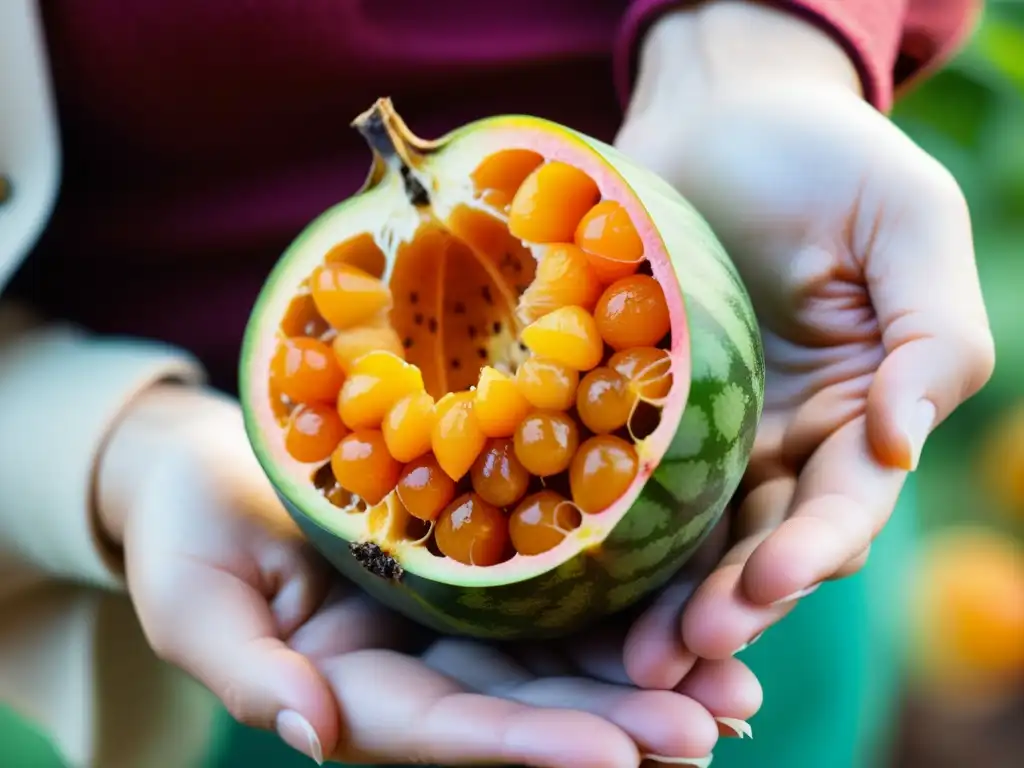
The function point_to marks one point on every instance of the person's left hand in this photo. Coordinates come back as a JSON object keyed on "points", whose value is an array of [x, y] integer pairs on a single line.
{"points": [[856, 248], [227, 588]]}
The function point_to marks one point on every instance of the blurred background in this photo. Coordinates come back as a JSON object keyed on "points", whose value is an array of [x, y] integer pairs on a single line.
{"points": [[965, 700]]}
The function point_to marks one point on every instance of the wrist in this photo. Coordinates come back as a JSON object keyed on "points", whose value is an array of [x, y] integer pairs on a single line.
{"points": [[163, 424], [708, 50]]}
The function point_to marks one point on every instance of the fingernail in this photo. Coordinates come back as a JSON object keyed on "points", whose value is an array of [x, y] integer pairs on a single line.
{"points": [[730, 727], [917, 427], [752, 640], [798, 595], [297, 733], [696, 762]]}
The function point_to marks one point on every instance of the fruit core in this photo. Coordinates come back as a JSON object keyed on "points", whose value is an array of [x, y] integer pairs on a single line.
{"points": [[493, 376]]}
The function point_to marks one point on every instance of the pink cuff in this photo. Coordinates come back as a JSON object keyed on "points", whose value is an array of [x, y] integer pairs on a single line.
{"points": [[869, 31]]}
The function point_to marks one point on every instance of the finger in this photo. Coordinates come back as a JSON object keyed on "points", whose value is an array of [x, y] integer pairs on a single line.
{"points": [[729, 691], [306, 579], [222, 631], [659, 722], [350, 621], [924, 286], [821, 415], [399, 710], [843, 499], [598, 653], [653, 653], [853, 565], [720, 621]]}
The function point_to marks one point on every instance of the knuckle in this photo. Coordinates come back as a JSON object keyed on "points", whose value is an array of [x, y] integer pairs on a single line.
{"points": [[978, 356], [163, 647], [945, 189], [985, 352], [232, 696]]}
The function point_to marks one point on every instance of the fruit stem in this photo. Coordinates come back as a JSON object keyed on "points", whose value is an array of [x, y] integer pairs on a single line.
{"points": [[394, 148]]}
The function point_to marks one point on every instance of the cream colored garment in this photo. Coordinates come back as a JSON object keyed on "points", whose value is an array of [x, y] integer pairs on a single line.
{"points": [[72, 656]]}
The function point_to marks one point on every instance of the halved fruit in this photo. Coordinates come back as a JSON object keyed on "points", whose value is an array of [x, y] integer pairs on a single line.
{"points": [[547, 378]]}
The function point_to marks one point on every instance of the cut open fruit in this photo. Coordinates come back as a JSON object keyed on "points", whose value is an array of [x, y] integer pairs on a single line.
{"points": [[510, 385]]}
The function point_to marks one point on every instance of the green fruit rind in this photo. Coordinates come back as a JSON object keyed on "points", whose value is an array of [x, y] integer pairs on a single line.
{"points": [[685, 495]]}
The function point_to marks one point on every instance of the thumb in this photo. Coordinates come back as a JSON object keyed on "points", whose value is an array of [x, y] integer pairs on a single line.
{"points": [[221, 629], [924, 287]]}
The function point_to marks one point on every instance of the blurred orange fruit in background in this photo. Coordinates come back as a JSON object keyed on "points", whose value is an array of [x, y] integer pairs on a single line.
{"points": [[968, 613]]}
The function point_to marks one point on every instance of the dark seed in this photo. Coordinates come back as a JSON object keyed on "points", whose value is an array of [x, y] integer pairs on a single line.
{"points": [[456, 364], [485, 292], [497, 326], [407, 342], [323, 478], [459, 308], [432, 325], [418, 318], [472, 331], [481, 353], [414, 298]]}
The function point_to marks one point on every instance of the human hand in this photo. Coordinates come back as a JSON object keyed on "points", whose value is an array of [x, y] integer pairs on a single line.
{"points": [[856, 248], [226, 588]]}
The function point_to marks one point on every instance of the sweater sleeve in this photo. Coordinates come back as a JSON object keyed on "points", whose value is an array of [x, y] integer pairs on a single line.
{"points": [[891, 42], [934, 30], [73, 658], [61, 392]]}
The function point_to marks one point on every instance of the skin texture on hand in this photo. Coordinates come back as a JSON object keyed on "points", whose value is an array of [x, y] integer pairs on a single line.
{"points": [[227, 589], [856, 248]]}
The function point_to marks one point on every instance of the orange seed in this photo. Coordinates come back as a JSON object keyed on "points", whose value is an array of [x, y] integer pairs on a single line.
{"points": [[498, 476], [648, 370], [602, 470], [424, 489], [347, 296], [547, 384], [550, 203], [312, 432], [472, 531], [632, 313], [379, 379], [498, 404], [568, 335], [607, 235], [545, 442], [540, 522], [457, 438], [362, 465], [351, 344], [604, 400], [503, 173], [563, 278], [304, 370], [408, 425]]}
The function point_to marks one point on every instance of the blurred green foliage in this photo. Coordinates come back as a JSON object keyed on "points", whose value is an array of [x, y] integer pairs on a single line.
{"points": [[971, 117]]}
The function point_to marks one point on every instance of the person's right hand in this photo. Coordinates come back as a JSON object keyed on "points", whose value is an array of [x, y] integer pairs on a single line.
{"points": [[226, 588]]}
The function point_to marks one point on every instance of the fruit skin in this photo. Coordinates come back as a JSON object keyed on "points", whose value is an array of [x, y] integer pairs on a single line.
{"points": [[686, 493]]}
